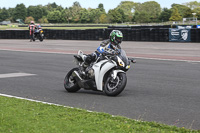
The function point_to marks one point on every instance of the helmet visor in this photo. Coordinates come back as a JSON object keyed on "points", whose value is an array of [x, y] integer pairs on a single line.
{"points": [[119, 39]]}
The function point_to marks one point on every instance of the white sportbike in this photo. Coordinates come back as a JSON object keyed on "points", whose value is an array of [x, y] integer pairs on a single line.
{"points": [[106, 74]]}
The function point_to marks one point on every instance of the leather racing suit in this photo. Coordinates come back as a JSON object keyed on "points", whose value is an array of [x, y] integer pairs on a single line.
{"points": [[105, 47]]}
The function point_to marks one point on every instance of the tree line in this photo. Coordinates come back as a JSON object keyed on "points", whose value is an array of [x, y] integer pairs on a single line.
{"points": [[126, 11]]}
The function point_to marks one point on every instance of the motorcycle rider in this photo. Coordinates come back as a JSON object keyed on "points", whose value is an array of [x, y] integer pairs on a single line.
{"points": [[31, 30], [37, 29], [107, 46]]}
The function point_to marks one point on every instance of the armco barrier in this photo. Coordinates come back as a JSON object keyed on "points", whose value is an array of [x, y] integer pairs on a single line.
{"points": [[14, 34], [130, 34]]}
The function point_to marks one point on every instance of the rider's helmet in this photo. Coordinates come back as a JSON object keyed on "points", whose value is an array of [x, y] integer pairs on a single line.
{"points": [[32, 22], [116, 37], [39, 26]]}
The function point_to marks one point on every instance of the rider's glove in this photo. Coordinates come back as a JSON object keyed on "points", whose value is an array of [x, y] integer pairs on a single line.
{"points": [[104, 53], [115, 52]]}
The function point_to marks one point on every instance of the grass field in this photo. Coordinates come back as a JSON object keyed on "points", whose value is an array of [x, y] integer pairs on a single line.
{"points": [[10, 27], [23, 116]]}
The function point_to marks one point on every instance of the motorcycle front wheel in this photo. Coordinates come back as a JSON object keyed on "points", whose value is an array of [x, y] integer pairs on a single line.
{"points": [[114, 87], [70, 83]]}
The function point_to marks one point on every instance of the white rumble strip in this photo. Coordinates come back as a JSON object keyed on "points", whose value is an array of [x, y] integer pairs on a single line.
{"points": [[12, 75]]}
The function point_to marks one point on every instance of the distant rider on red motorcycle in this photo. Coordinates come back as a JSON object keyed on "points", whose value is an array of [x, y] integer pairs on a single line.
{"points": [[31, 30]]}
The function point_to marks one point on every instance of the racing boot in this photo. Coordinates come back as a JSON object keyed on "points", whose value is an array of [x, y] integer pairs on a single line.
{"points": [[83, 56]]}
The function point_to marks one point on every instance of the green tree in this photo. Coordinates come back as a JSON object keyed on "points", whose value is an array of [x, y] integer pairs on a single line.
{"points": [[51, 6], [54, 17], [29, 19], [60, 8], [44, 10], [95, 15], [4, 14], [35, 11], [43, 20], [197, 11], [116, 15], [127, 7], [165, 15], [175, 15], [75, 11], [153, 10], [20, 12], [101, 8], [192, 5], [11, 13], [141, 17], [54, 5], [66, 15], [137, 7], [184, 11], [103, 18], [84, 16]]}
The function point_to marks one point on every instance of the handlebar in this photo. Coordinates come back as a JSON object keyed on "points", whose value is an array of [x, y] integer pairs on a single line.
{"points": [[132, 60]]}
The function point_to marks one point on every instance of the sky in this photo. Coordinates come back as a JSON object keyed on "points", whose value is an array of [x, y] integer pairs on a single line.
{"points": [[108, 4]]}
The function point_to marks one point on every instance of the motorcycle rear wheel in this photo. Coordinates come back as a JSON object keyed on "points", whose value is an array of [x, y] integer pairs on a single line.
{"points": [[114, 87], [70, 83], [33, 37], [41, 38]]}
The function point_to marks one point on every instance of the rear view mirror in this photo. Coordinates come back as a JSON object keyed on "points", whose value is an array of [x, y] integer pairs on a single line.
{"points": [[132, 60]]}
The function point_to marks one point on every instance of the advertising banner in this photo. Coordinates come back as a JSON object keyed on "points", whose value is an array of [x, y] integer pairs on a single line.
{"points": [[179, 35], [184, 26]]}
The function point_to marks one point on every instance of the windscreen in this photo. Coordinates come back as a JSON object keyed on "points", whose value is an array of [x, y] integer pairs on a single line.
{"points": [[123, 56]]}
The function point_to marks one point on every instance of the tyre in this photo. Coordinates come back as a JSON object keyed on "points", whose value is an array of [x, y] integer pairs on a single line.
{"points": [[114, 87], [41, 38], [70, 83], [33, 38]]}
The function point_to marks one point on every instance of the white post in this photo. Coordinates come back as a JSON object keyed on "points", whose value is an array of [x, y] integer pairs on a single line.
{"points": [[194, 17], [196, 20]]}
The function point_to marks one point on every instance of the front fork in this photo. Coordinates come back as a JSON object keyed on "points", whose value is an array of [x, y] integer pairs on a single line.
{"points": [[115, 72]]}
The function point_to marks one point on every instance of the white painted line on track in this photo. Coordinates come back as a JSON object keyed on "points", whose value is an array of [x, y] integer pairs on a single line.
{"points": [[10, 96], [12, 75]]}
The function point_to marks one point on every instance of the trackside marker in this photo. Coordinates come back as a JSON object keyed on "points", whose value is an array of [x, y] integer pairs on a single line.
{"points": [[12, 75]]}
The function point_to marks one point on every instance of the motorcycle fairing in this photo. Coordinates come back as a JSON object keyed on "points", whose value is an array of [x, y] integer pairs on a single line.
{"points": [[100, 70], [115, 72]]}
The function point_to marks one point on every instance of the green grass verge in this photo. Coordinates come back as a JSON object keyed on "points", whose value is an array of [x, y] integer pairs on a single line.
{"points": [[74, 28], [22, 116], [59, 28]]}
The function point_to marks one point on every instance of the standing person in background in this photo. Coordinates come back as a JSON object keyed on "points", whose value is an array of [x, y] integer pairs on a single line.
{"points": [[31, 30]]}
